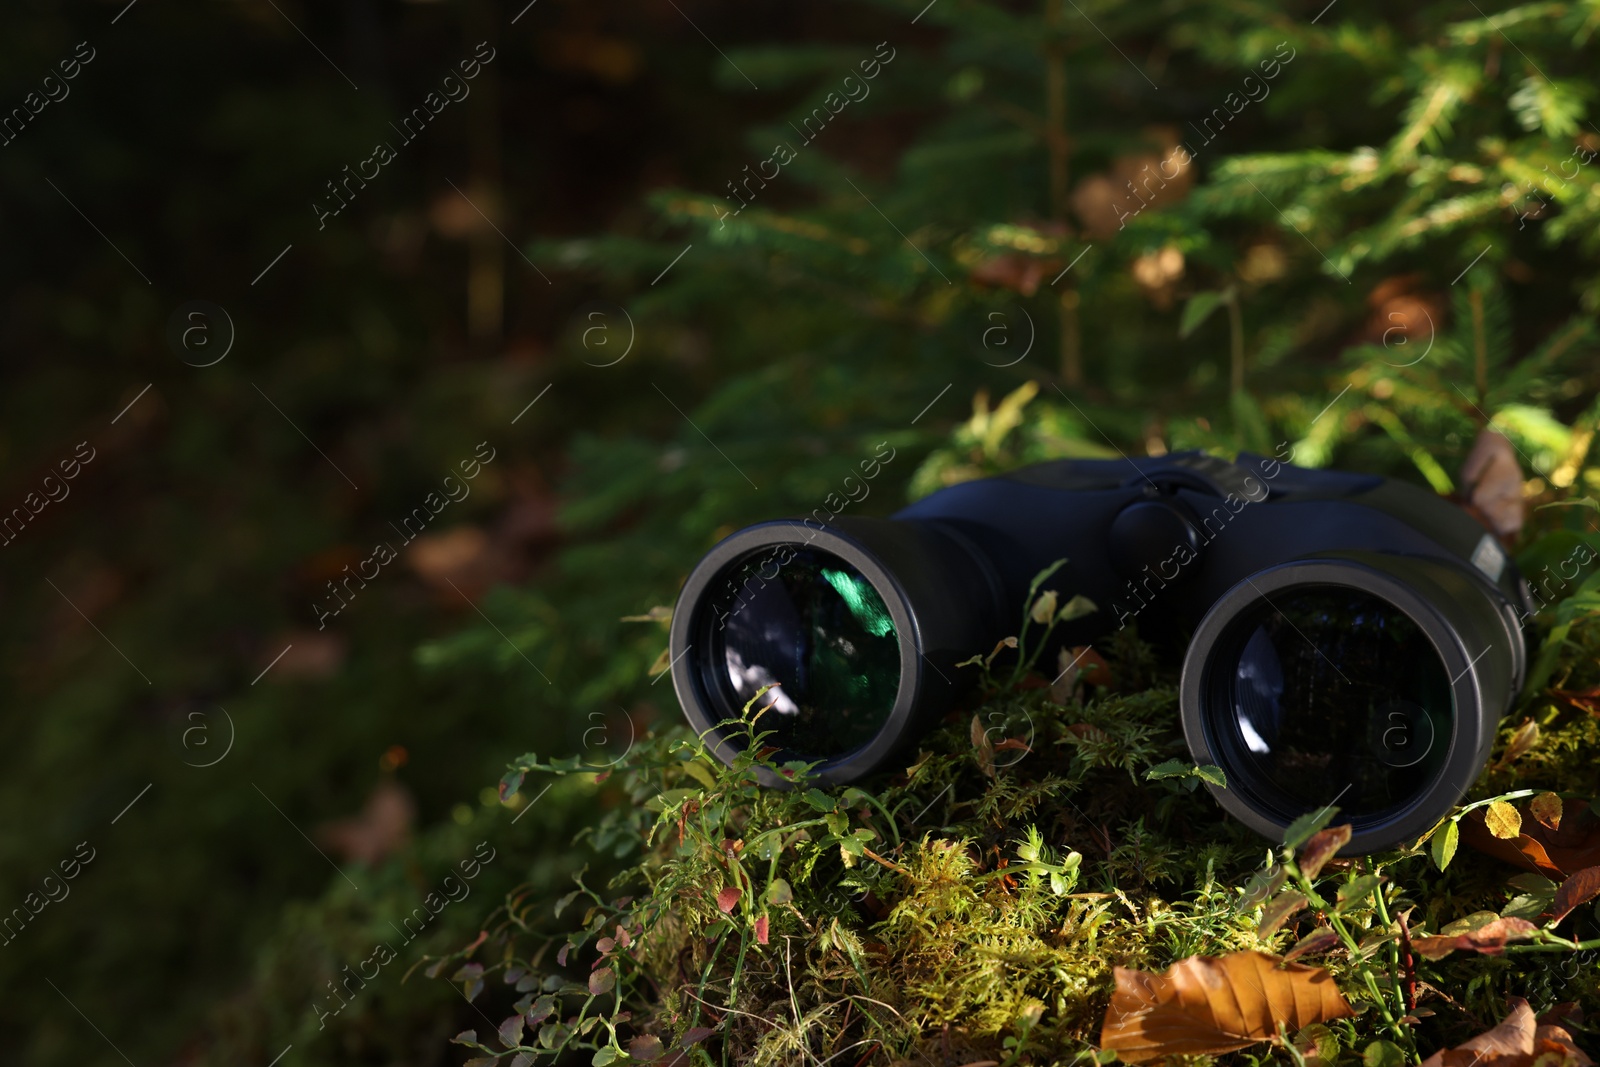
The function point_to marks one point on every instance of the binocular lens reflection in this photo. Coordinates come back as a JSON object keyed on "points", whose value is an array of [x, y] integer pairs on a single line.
{"points": [[814, 626], [1328, 695]]}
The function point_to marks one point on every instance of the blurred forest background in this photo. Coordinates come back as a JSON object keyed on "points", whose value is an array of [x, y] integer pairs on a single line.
{"points": [[1001, 231]]}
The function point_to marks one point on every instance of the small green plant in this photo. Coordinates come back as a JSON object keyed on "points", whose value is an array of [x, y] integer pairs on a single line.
{"points": [[1044, 609]]}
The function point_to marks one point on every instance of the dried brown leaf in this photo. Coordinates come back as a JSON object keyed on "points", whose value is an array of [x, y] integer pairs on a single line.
{"points": [[1513, 1037], [1518, 1041], [1209, 1005]]}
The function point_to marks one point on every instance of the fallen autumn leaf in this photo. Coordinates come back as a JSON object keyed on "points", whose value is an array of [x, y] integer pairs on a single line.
{"points": [[1209, 1005], [1516, 1042]]}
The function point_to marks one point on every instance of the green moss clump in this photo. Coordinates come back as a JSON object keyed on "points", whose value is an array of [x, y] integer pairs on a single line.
{"points": [[972, 906]]}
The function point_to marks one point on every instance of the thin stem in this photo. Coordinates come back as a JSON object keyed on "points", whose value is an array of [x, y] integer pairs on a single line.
{"points": [[1236, 341], [1055, 104], [893, 866], [1553, 943], [1058, 146], [784, 829], [1480, 350], [705, 975], [1071, 337], [1394, 954]]}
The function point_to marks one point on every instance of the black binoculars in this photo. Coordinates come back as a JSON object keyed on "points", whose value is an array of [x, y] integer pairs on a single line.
{"points": [[1347, 639]]}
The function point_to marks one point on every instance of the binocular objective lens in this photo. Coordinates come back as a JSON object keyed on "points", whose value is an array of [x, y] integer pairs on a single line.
{"points": [[1329, 695], [812, 625]]}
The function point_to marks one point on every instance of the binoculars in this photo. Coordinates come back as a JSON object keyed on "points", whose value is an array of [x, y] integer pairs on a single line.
{"points": [[1346, 639]]}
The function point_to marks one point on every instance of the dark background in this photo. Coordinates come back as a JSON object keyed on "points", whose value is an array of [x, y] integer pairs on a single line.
{"points": [[206, 527]]}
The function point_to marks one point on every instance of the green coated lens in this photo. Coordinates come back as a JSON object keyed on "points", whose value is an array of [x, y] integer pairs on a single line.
{"points": [[812, 626]]}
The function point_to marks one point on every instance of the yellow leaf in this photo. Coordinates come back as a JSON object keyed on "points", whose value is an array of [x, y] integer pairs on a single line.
{"points": [[1503, 820], [661, 664], [1044, 607], [1546, 807]]}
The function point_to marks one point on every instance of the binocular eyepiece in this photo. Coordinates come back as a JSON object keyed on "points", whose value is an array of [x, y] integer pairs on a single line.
{"points": [[1347, 639]]}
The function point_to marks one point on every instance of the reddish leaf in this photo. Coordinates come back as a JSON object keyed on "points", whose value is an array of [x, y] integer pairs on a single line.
{"points": [[1073, 664], [983, 749], [1207, 1006], [761, 930], [1013, 271], [646, 1048], [1313, 944], [728, 899], [541, 1009], [1490, 939], [1587, 699], [602, 981], [1576, 891], [1322, 847]]}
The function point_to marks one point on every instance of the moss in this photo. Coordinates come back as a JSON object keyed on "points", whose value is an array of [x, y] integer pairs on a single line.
{"points": [[972, 906]]}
